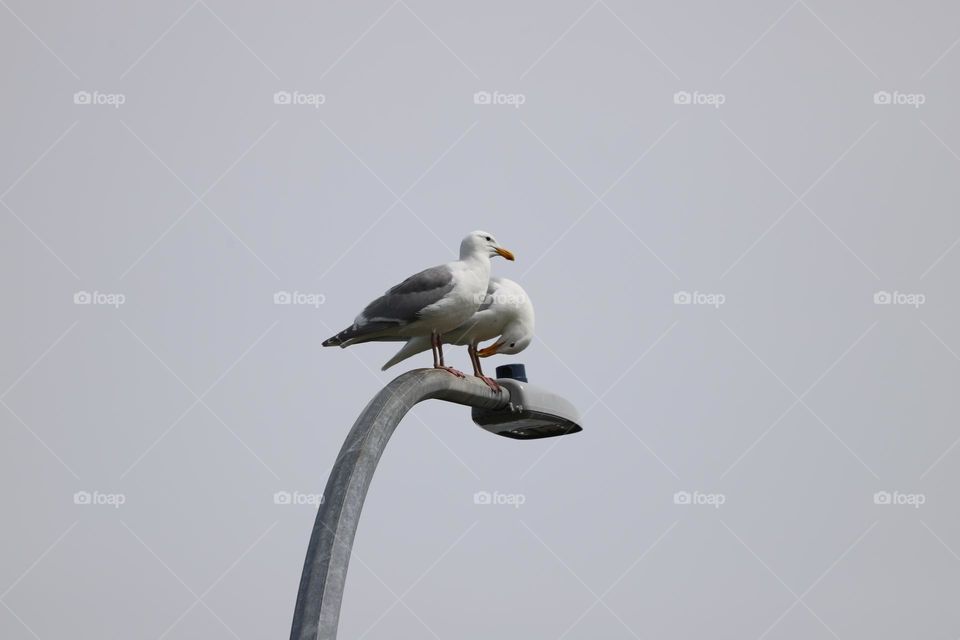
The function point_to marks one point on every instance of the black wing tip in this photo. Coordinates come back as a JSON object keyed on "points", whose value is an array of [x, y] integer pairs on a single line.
{"points": [[340, 338], [354, 334]]}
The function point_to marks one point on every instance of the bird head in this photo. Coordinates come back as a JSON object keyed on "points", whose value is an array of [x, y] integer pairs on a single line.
{"points": [[516, 337], [483, 243]]}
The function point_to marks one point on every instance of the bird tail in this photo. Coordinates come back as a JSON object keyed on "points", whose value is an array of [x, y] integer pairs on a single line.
{"points": [[356, 334], [414, 346]]}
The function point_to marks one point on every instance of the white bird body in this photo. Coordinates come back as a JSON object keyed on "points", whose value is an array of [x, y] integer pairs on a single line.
{"points": [[430, 302], [470, 278], [506, 313]]}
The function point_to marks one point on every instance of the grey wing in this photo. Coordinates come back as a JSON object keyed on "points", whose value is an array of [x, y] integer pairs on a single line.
{"points": [[403, 303]]}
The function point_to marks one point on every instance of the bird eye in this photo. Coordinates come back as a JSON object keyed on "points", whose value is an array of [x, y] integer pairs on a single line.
{"points": [[489, 239], [513, 344]]}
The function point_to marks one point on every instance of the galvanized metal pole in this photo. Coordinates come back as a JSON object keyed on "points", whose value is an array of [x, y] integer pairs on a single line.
{"points": [[325, 569]]}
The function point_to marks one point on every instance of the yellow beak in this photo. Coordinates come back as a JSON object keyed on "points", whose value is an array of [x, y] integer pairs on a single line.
{"points": [[489, 351], [504, 253]]}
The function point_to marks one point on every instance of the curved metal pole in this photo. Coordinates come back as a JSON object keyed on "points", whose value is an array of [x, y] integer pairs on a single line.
{"points": [[328, 554]]}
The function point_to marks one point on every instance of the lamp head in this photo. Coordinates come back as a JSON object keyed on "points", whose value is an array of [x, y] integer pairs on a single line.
{"points": [[533, 412]]}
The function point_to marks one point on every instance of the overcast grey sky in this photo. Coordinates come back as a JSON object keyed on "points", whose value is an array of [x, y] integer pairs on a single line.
{"points": [[737, 222]]}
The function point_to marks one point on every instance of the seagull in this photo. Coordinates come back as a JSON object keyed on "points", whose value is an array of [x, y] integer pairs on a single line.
{"points": [[506, 314], [430, 303]]}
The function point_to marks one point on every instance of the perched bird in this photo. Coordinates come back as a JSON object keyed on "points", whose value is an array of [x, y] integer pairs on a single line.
{"points": [[429, 303], [506, 314]]}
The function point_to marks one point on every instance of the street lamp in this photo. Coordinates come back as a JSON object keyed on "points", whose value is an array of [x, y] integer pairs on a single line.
{"points": [[520, 410]]}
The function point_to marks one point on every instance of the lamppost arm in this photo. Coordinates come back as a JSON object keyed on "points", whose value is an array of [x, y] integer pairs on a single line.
{"points": [[325, 569]]}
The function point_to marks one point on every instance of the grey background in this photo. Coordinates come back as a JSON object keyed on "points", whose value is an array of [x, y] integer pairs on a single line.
{"points": [[199, 398]]}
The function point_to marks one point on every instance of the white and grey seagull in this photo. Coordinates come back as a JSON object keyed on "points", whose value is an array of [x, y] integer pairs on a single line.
{"points": [[429, 303], [505, 314]]}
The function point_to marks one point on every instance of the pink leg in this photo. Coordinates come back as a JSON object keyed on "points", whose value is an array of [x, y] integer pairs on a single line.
{"points": [[439, 364], [433, 348], [478, 370]]}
